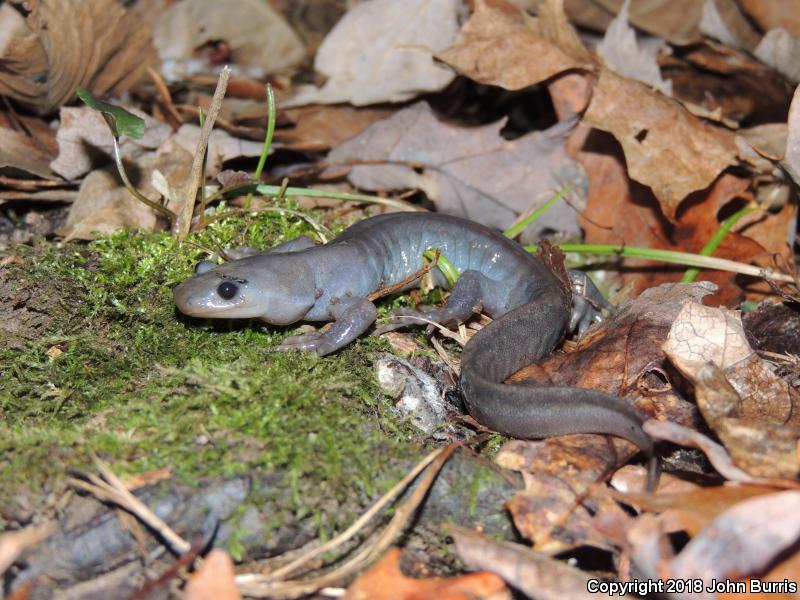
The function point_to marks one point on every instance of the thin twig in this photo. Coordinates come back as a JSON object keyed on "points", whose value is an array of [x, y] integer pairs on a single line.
{"points": [[111, 488], [164, 94], [261, 587], [188, 193], [413, 277]]}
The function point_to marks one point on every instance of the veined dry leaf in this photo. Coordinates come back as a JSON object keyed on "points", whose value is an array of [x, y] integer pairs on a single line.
{"points": [[468, 171], [741, 398], [324, 127], [259, 38], [73, 42], [385, 581], [665, 146], [502, 45], [382, 51]]}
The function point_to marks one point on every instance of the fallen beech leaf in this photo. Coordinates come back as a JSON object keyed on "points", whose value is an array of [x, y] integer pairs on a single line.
{"points": [[467, 171], [534, 574], [742, 540], [214, 580], [258, 37], [381, 51], [385, 581], [83, 134], [624, 56], [97, 45], [496, 45], [19, 152], [665, 146]]}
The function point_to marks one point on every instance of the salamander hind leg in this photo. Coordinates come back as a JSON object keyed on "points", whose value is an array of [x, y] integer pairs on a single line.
{"points": [[467, 299]]}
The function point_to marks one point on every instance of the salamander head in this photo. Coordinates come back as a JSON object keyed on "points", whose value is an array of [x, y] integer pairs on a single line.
{"points": [[272, 288]]}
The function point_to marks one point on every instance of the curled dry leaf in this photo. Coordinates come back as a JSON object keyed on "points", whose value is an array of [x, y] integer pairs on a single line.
{"points": [[722, 19], [382, 51], [467, 171], [746, 404], [496, 44], [385, 581], [259, 38], [743, 540], [773, 13], [97, 45], [665, 146]]}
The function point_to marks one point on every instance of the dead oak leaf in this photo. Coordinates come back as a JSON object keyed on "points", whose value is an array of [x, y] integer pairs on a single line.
{"points": [[214, 580], [665, 146], [21, 153], [97, 45], [385, 581], [502, 45], [467, 171]]}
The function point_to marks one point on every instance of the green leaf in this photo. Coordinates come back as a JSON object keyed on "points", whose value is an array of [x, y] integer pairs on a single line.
{"points": [[119, 120]]}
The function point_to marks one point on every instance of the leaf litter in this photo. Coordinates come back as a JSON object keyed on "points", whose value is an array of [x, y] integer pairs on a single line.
{"points": [[409, 91]]}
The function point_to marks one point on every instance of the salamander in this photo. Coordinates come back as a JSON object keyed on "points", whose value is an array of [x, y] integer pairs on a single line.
{"points": [[531, 307]]}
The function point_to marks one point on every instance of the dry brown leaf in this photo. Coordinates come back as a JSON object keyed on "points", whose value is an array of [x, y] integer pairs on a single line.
{"points": [[623, 55], [675, 21], [72, 42], [501, 45], [382, 51], [779, 49], [743, 540], [722, 19], [85, 139], [13, 543], [741, 398], [665, 146], [259, 38], [222, 147], [550, 513], [769, 14], [214, 580], [323, 127], [21, 153], [385, 581], [467, 171], [104, 205], [535, 575]]}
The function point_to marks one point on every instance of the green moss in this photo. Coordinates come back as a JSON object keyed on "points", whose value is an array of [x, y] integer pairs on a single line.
{"points": [[145, 388]]}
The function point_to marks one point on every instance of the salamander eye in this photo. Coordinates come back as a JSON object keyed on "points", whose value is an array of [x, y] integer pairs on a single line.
{"points": [[227, 290]]}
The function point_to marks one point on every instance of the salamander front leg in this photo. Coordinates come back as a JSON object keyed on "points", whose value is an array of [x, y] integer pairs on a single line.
{"points": [[353, 317]]}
